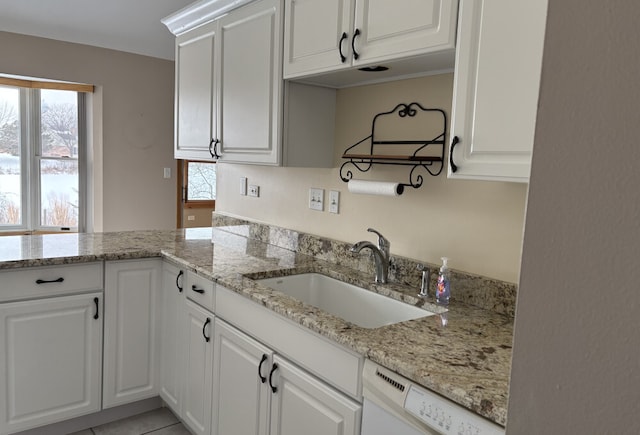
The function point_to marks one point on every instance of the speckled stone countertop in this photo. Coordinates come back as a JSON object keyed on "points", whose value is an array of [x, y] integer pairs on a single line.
{"points": [[463, 354]]}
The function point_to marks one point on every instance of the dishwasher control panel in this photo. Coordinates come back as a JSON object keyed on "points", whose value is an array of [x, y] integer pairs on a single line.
{"points": [[445, 417]]}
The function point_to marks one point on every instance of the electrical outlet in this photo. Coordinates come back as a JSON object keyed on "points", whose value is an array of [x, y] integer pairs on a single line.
{"points": [[254, 190], [243, 186], [191, 218], [316, 199], [334, 201]]}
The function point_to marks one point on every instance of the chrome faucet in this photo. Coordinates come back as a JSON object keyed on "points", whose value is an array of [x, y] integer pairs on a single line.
{"points": [[380, 254]]}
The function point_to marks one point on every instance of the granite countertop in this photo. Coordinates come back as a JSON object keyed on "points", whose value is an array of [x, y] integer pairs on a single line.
{"points": [[463, 354]]}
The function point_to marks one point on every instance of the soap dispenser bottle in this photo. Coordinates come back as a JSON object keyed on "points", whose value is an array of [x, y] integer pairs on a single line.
{"points": [[443, 291]]}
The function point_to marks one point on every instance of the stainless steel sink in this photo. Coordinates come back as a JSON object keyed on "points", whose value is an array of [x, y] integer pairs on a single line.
{"points": [[347, 301]]}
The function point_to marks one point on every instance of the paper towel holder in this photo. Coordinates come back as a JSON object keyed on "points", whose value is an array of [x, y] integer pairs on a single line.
{"points": [[413, 150]]}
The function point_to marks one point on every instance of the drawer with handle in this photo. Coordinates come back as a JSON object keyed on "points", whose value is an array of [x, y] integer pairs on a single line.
{"points": [[38, 282], [199, 290]]}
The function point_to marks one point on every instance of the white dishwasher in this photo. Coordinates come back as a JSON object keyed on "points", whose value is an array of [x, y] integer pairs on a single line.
{"points": [[395, 405]]}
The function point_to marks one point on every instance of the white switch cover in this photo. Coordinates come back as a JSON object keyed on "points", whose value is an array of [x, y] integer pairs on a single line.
{"points": [[254, 190], [316, 199], [167, 173], [334, 201], [243, 186]]}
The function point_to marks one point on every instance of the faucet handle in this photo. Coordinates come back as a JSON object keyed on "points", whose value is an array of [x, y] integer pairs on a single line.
{"points": [[424, 282], [382, 241]]}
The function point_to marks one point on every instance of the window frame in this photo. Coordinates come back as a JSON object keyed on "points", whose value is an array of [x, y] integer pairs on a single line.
{"points": [[31, 157], [194, 203]]}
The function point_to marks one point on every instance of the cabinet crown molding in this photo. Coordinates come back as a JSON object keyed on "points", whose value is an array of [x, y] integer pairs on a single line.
{"points": [[198, 13]]}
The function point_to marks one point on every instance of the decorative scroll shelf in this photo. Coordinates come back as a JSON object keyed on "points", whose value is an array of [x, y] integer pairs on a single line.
{"points": [[414, 150]]}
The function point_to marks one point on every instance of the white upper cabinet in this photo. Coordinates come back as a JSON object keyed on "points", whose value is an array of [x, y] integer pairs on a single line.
{"points": [[496, 84], [325, 36], [231, 103], [196, 110], [317, 36], [402, 28], [251, 83]]}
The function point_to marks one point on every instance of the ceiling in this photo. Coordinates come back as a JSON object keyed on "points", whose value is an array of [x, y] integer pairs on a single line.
{"points": [[126, 25]]}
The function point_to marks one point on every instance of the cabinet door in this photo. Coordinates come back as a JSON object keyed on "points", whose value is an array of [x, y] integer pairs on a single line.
{"points": [[251, 79], [240, 383], [196, 407], [403, 28], [303, 404], [196, 94], [496, 85], [50, 360], [130, 339], [171, 336], [313, 36]]}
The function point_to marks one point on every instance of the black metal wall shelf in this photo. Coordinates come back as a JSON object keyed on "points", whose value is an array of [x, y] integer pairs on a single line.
{"points": [[415, 149]]}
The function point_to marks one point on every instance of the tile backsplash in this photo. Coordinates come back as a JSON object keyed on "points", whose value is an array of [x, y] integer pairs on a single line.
{"points": [[483, 292]]}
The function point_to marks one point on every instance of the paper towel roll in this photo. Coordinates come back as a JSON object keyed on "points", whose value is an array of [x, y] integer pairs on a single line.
{"points": [[375, 187]]}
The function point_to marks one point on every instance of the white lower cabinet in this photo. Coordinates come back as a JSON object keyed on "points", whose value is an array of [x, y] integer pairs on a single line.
{"points": [[301, 404], [187, 344], [198, 366], [247, 370], [241, 393], [171, 333], [259, 392], [50, 360], [263, 376], [335, 365], [130, 337]]}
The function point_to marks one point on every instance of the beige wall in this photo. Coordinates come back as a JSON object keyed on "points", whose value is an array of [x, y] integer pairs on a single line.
{"points": [[477, 224], [200, 217], [133, 124], [576, 360]]}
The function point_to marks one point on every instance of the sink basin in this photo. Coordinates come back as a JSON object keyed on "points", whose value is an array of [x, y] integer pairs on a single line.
{"points": [[347, 301]]}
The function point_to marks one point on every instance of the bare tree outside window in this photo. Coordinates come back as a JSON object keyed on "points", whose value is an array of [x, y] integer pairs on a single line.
{"points": [[9, 129], [10, 189], [60, 130], [9, 210], [58, 161], [201, 181], [198, 193]]}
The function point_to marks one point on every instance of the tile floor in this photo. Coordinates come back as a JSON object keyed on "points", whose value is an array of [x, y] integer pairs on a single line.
{"points": [[157, 422]]}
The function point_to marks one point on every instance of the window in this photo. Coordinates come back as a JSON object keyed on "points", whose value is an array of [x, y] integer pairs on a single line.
{"points": [[42, 146], [199, 183], [197, 193]]}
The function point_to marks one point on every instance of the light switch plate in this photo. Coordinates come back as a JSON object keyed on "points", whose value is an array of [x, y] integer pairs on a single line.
{"points": [[243, 186], [334, 201], [316, 199]]}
